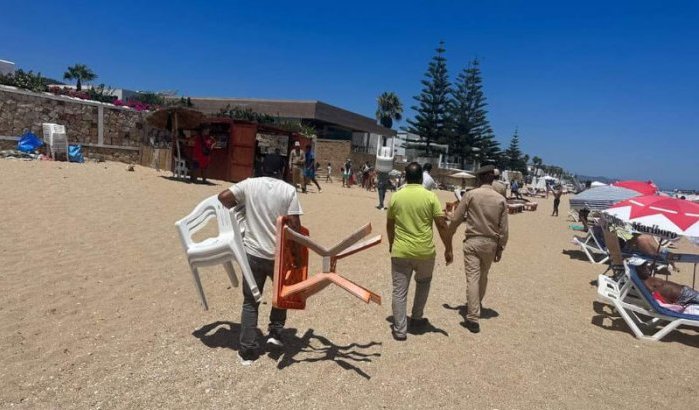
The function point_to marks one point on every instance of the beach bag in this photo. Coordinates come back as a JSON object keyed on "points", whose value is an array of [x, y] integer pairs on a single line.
{"points": [[29, 143], [75, 153]]}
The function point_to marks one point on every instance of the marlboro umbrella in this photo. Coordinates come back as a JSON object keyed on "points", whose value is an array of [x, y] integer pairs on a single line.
{"points": [[643, 188], [658, 215]]}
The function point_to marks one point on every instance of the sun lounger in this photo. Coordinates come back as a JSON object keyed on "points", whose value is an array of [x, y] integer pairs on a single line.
{"points": [[647, 319], [592, 246], [515, 208]]}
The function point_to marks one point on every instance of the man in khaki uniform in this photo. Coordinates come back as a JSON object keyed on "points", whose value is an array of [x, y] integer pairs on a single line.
{"points": [[485, 213], [297, 163]]}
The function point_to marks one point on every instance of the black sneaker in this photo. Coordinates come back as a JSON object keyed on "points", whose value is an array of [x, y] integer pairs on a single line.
{"points": [[472, 327], [275, 338], [398, 336], [247, 356]]}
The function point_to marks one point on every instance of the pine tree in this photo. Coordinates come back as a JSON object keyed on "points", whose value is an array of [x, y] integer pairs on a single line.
{"points": [[471, 128], [490, 152], [433, 108], [514, 160]]}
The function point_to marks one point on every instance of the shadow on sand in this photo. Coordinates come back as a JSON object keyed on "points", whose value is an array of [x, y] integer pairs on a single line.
{"points": [[617, 324], [576, 254], [486, 313], [188, 181], [428, 328], [319, 348]]}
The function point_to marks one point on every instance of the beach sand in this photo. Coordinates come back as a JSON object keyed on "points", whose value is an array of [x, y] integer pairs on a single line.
{"points": [[99, 310]]}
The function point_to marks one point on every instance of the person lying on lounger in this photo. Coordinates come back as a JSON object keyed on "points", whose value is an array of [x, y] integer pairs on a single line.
{"points": [[670, 292]]}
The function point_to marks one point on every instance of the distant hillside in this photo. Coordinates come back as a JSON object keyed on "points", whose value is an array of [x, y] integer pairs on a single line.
{"points": [[606, 180]]}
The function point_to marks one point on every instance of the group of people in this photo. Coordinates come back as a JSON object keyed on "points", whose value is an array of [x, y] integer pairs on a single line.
{"points": [[304, 167], [412, 212]]}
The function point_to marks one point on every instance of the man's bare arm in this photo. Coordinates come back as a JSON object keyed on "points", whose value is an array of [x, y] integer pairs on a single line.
{"points": [[390, 232], [227, 199], [457, 217], [443, 229]]}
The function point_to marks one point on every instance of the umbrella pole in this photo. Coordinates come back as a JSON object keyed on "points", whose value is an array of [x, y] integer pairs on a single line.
{"points": [[176, 136]]}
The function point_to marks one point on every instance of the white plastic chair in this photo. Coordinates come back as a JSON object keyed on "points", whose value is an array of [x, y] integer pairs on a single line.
{"points": [[180, 165], [222, 249], [56, 139]]}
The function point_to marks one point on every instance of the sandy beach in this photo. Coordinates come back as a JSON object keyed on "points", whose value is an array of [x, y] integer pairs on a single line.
{"points": [[99, 311]]}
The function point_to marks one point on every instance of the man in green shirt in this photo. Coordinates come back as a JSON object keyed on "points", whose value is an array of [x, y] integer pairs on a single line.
{"points": [[411, 213]]}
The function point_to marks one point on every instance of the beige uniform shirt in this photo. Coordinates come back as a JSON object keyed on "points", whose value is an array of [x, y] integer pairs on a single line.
{"points": [[297, 160], [485, 213]]}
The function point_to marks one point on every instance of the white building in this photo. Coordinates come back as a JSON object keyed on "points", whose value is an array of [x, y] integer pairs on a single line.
{"points": [[6, 67], [120, 93]]}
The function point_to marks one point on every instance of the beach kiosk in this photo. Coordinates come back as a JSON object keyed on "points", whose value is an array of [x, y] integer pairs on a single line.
{"points": [[240, 144]]}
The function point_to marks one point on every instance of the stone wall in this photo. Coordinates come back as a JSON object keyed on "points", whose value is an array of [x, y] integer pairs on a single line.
{"points": [[333, 151], [110, 131]]}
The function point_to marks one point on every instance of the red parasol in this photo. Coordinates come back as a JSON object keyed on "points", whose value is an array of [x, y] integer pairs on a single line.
{"points": [[643, 188], [659, 215]]}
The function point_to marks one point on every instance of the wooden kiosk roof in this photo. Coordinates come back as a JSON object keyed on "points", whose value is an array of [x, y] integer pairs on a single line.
{"points": [[296, 109]]}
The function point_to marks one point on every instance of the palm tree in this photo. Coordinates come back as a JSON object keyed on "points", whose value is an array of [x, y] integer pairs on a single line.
{"points": [[79, 72], [389, 109], [537, 163]]}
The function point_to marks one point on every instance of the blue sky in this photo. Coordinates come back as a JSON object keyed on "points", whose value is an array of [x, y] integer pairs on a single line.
{"points": [[601, 88]]}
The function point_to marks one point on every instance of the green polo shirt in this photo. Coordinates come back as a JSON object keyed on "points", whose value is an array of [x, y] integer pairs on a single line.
{"points": [[413, 208]]}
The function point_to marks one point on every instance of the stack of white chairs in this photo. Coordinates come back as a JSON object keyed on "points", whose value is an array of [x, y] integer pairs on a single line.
{"points": [[56, 139], [222, 249]]}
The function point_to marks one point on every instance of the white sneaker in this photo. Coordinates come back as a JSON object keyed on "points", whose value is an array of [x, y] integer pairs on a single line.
{"points": [[247, 359], [275, 339]]}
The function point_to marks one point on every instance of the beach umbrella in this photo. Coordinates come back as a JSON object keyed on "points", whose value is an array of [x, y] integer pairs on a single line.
{"points": [[600, 198], [597, 184], [644, 188], [174, 118], [657, 215], [462, 175]]}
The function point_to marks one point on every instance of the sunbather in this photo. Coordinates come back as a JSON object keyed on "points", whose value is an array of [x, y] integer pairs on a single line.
{"points": [[669, 292]]}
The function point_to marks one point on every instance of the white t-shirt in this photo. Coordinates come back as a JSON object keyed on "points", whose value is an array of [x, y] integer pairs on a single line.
{"points": [[265, 200], [427, 181]]}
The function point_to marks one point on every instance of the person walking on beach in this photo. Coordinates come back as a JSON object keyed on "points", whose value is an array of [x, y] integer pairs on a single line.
{"points": [[485, 213], [329, 178], [265, 200], [411, 213], [427, 180], [297, 161], [515, 189], [557, 192], [348, 171], [310, 171], [382, 182]]}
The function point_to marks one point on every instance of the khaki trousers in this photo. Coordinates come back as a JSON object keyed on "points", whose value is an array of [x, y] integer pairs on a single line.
{"points": [[401, 271], [297, 177], [479, 253]]}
